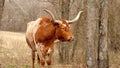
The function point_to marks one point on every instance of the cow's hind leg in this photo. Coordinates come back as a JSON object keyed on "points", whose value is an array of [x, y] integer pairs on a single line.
{"points": [[38, 59], [33, 58], [31, 44]]}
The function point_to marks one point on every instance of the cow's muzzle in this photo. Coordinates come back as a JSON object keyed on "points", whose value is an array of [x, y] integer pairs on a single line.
{"points": [[71, 38]]}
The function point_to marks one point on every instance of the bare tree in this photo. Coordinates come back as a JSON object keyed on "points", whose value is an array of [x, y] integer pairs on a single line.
{"points": [[63, 47], [102, 43], [92, 20], [1, 8]]}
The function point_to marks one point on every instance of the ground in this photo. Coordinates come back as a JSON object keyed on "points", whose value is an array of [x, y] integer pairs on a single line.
{"points": [[15, 53]]}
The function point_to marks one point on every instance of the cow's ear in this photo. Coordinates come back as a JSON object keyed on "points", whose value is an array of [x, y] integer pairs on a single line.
{"points": [[52, 21], [56, 23]]}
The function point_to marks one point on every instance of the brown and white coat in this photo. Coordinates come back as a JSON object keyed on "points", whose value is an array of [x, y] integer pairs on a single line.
{"points": [[43, 32]]}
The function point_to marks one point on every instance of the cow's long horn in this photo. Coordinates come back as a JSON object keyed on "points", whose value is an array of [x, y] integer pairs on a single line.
{"points": [[51, 14], [75, 19]]}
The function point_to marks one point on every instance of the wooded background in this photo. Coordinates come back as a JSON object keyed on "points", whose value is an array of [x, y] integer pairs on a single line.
{"points": [[97, 32]]}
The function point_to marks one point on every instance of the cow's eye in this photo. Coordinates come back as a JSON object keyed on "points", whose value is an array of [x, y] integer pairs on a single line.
{"points": [[64, 29]]}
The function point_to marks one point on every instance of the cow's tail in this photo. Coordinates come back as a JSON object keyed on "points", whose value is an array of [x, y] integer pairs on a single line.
{"points": [[38, 47]]}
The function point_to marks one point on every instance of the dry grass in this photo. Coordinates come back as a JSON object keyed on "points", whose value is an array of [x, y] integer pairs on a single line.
{"points": [[13, 50], [114, 59], [14, 53]]}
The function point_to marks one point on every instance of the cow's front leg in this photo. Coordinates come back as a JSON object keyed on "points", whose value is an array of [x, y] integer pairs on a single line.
{"points": [[49, 56], [42, 61], [38, 59], [41, 58], [49, 61]]}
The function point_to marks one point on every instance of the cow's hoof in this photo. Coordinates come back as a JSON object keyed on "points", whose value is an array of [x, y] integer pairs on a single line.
{"points": [[42, 63], [48, 62], [38, 61]]}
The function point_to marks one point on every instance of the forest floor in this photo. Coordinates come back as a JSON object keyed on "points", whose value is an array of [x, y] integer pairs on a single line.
{"points": [[14, 53]]}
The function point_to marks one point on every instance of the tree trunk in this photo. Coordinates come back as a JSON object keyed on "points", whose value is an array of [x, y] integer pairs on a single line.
{"points": [[102, 43], [63, 47], [92, 23], [1, 9]]}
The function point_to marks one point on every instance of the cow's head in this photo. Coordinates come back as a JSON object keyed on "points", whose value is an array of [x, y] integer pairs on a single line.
{"points": [[63, 32]]}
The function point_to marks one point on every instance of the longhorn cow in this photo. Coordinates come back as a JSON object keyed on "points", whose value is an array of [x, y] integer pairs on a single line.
{"points": [[42, 33]]}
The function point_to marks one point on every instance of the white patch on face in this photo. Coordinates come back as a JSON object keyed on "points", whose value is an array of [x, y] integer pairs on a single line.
{"points": [[60, 22], [44, 24], [64, 25]]}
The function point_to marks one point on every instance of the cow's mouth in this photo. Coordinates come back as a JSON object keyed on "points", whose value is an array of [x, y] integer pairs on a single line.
{"points": [[63, 40]]}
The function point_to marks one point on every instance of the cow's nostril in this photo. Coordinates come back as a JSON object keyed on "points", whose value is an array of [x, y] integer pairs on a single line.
{"points": [[71, 38]]}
